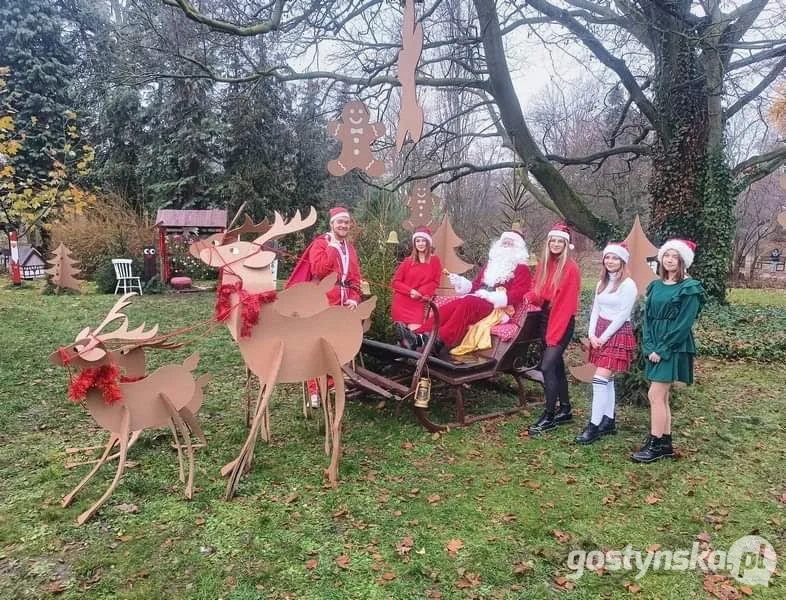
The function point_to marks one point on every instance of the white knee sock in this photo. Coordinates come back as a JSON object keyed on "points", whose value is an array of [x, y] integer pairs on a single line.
{"points": [[599, 398], [611, 399]]}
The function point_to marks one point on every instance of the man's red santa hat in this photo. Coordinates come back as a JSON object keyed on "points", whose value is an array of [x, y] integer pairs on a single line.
{"points": [[685, 248], [338, 212], [618, 249], [425, 233], [560, 230]]}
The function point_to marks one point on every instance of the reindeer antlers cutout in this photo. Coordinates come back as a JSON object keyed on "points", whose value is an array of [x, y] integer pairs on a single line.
{"points": [[122, 332], [281, 227], [248, 226]]}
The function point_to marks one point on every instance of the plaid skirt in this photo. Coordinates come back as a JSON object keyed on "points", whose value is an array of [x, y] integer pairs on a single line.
{"points": [[618, 352]]}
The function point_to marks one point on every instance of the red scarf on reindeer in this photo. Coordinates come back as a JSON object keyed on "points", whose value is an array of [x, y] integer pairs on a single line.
{"points": [[251, 305]]}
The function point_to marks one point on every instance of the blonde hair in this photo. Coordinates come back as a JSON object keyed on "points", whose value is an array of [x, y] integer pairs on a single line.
{"points": [[681, 270], [540, 280], [605, 277]]}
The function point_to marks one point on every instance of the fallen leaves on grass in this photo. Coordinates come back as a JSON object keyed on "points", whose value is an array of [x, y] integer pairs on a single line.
{"points": [[453, 546], [404, 546], [564, 583], [633, 588], [561, 536], [520, 567], [467, 580]]}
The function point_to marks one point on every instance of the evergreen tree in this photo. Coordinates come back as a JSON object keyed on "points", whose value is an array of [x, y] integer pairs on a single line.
{"points": [[181, 163], [119, 135], [41, 67], [260, 149]]}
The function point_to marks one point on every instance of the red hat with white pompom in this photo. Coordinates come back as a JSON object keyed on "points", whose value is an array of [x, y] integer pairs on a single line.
{"points": [[425, 233], [560, 230], [685, 248], [338, 212], [618, 249]]}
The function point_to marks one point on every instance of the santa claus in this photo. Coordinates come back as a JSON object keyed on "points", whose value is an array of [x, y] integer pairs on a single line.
{"points": [[502, 282]]}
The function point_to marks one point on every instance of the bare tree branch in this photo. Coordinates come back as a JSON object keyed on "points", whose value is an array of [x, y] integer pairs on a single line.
{"points": [[607, 58], [758, 89]]}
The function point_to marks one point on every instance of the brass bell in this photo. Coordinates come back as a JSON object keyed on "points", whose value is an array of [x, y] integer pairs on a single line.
{"points": [[392, 238]]}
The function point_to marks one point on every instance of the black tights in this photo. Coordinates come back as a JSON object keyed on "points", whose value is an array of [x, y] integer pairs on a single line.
{"points": [[555, 381]]}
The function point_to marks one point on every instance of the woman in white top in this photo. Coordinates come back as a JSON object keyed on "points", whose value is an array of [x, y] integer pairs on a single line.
{"points": [[612, 343]]}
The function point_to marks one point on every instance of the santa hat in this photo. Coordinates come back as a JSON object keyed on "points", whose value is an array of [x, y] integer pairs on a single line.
{"points": [[560, 230], [685, 248], [618, 249], [517, 238], [425, 233], [338, 212]]}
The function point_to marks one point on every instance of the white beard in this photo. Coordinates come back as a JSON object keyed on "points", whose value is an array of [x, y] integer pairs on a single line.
{"points": [[503, 263]]}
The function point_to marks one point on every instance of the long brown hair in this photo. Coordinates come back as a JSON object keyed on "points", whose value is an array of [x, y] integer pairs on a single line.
{"points": [[605, 277], [545, 255], [681, 270], [427, 253]]}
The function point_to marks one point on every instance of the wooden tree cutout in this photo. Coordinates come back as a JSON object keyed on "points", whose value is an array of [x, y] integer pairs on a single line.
{"points": [[640, 249], [445, 243], [63, 270], [421, 203], [410, 115], [641, 272], [299, 335], [124, 406], [356, 135]]}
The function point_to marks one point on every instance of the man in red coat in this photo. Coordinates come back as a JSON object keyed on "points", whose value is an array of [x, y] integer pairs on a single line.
{"points": [[502, 282], [331, 252]]}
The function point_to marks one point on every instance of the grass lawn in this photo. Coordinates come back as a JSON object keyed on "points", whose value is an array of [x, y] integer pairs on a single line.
{"points": [[484, 512]]}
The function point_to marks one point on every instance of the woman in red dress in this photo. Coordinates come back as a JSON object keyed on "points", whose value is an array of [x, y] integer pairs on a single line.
{"points": [[415, 280]]}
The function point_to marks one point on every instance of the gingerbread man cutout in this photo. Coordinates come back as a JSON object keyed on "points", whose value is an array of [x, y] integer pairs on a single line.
{"points": [[421, 203], [356, 135]]}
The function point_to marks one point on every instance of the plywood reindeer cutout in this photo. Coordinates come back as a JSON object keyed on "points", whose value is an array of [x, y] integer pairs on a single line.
{"points": [[410, 116], [167, 397], [297, 335]]}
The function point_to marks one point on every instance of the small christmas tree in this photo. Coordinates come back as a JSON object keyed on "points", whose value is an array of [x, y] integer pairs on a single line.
{"points": [[445, 243], [62, 270]]}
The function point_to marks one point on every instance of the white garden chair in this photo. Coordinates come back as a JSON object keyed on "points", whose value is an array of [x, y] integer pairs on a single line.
{"points": [[125, 277]]}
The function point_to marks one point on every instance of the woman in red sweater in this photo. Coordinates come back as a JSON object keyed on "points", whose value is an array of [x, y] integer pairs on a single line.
{"points": [[556, 290], [415, 280]]}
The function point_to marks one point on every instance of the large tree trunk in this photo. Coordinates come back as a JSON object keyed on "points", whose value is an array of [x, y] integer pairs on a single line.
{"points": [[690, 185]]}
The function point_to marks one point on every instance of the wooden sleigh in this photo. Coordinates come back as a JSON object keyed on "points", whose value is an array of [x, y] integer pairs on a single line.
{"points": [[516, 351]]}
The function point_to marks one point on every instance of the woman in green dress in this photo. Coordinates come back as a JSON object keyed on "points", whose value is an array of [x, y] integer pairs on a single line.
{"points": [[672, 306]]}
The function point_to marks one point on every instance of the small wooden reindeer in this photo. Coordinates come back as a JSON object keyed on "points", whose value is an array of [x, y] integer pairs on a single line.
{"points": [[287, 337], [170, 396]]}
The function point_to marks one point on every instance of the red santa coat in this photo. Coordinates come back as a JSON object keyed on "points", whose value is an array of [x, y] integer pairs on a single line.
{"points": [[320, 260], [563, 301], [457, 316], [414, 275]]}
